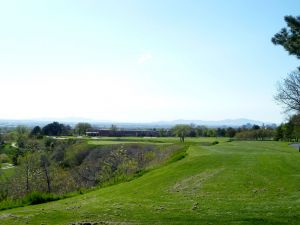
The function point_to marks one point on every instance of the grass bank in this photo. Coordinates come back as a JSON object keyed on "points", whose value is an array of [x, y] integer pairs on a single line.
{"points": [[227, 183]]}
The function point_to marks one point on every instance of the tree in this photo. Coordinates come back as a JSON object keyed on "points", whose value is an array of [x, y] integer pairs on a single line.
{"points": [[230, 132], [21, 136], [45, 164], [56, 129], [289, 38], [220, 132], [1, 139], [29, 168], [279, 133], [288, 92], [81, 128], [113, 129], [36, 132], [162, 132], [21, 130], [295, 120], [288, 131], [181, 131]]}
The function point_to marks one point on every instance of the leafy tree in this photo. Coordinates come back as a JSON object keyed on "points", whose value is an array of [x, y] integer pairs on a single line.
{"points": [[181, 131], [210, 133], [192, 132], [289, 37], [49, 143], [288, 131], [21, 136], [36, 132], [200, 131], [279, 133], [220, 132], [29, 168], [255, 127], [256, 134], [16, 154], [81, 128], [21, 130], [230, 132], [162, 132], [21, 142], [56, 129], [295, 122]]}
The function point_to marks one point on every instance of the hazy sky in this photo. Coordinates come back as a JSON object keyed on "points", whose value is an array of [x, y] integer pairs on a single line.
{"points": [[138, 60]]}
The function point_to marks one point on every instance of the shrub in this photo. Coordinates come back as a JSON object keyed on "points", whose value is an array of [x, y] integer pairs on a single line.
{"points": [[4, 158], [9, 204], [37, 198]]}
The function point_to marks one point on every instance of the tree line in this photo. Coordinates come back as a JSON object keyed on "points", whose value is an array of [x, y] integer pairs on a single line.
{"points": [[21, 133]]}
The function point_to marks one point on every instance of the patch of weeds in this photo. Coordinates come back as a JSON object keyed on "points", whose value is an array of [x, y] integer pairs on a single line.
{"points": [[38, 198], [215, 143]]}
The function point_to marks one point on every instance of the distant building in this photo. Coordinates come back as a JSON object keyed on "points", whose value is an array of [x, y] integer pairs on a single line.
{"points": [[122, 133]]}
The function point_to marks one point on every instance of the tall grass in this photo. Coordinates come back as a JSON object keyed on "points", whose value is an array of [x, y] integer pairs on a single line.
{"points": [[32, 198]]}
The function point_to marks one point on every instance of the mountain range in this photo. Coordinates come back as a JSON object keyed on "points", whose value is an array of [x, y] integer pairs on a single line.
{"points": [[158, 124]]}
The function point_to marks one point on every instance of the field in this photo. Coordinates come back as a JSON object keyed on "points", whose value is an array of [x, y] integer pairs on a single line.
{"points": [[226, 183]]}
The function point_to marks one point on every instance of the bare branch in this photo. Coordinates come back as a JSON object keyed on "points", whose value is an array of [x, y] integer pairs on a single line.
{"points": [[288, 92]]}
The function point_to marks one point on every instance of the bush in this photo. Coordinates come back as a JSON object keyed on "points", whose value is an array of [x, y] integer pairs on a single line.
{"points": [[215, 143], [37, 198], [9, 204], [33, 199], [4, 158]]}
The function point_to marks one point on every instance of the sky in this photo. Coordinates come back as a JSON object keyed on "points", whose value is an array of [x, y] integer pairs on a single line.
{"points": [[142, 60]]}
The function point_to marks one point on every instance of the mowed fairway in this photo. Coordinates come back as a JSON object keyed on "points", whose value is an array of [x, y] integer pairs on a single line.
{"points": [[228, 183]]}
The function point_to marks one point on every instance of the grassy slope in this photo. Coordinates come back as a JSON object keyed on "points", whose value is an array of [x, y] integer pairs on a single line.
{"points": [[229, 183]]}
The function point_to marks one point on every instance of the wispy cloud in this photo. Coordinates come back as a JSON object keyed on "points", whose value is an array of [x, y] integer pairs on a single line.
{"points": [[144, 58]]}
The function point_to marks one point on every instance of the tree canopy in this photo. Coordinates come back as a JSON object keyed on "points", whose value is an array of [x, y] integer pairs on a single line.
{"points": [[81, 128], [181, 131], [56, 129], [289, 37], [288, 91], [36, 132]]}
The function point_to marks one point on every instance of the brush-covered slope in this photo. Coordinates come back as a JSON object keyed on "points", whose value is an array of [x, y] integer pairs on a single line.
{"points": [[227, 183]]}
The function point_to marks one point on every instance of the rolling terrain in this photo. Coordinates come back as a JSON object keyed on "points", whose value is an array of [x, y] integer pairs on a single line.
{"points": [[237, 182]]}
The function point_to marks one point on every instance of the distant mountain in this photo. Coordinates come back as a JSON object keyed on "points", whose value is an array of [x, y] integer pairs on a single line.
{"points": [[158, 124], [218, 123]]}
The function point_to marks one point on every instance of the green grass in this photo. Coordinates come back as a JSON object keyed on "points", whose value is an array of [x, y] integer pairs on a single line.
{"points": [[4, 173], [30, 199], [103, 142], [150, 140], [227, 183]]}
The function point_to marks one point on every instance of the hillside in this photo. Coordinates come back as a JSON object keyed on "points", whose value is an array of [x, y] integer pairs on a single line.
{"points": [[228, 183]]}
